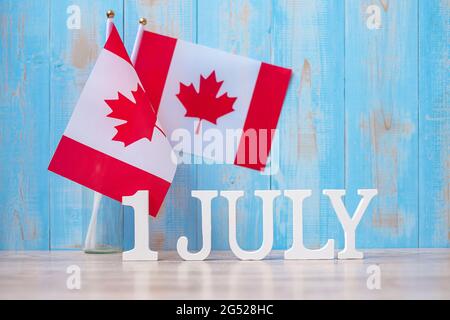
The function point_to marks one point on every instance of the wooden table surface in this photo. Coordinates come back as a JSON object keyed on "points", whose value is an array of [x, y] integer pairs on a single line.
{"points": [[405, 274]]}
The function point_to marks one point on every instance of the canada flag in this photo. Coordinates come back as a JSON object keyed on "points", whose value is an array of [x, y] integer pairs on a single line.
{"points": [[113, 143], [196, 88]]}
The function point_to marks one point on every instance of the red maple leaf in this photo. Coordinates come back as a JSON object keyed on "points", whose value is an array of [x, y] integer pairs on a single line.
{"points": [[140, 117], [205, 104]]}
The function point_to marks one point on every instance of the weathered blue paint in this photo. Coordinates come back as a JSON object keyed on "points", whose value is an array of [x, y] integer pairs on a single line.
{"points": [[308, 36], [366, 108], [24, 125], [381, 109], [434, 124]]}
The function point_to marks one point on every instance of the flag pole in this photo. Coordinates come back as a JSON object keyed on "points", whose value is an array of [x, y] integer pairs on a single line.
{"points": [[137, 42], [91, 236], [109, 21]]}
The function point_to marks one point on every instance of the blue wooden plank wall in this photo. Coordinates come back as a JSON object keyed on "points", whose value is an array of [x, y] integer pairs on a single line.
{"points": [[381, 117], [367, 107]]}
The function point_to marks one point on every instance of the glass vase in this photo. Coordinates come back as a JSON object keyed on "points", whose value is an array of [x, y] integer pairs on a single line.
{"points": [[105, 230]]}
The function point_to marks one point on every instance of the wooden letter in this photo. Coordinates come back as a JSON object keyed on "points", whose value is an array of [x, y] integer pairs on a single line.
{"points": [[349, 224], [141, 250], [267, 196], [205, 197], [298, 250]]}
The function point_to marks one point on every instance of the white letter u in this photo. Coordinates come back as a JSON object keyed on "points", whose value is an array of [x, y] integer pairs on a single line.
{"points": [[267, 197]]}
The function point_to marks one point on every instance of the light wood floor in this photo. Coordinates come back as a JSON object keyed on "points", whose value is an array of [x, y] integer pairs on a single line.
{"points": [[405, 274]]}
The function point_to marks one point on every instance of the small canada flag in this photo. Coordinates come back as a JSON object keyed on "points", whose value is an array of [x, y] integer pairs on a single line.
{"points": [[193, 86], [114, 143]]}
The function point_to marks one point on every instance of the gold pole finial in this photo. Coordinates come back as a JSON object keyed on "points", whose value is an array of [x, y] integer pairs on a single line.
{"points": [[143, 21], [110, 14]]}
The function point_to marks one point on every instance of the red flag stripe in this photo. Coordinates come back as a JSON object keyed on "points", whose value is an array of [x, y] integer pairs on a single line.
{"points": [[115, 45], [263, 113], [105, 174], [154, 48]]}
